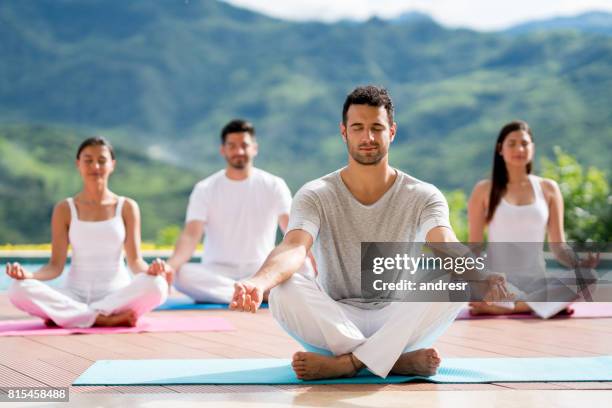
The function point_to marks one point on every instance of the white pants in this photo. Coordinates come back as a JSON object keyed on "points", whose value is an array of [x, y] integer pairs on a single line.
{"points": [[547, 310], [214, 282], [376, 337], [543, 310], [66, 307]]}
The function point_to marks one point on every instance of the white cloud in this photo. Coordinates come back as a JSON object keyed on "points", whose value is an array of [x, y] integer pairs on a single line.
{"points": [[477, 14]]}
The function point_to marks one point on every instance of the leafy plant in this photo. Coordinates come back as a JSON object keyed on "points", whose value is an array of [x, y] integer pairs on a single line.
{"points": [[586, 194]]}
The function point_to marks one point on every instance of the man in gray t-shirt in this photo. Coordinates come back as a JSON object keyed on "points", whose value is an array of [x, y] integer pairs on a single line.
{"points": [[338, 223], [366, 201]]}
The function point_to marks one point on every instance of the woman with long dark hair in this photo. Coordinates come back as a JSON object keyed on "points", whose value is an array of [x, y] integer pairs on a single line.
{"points": [[99, 225], [518, 207]]}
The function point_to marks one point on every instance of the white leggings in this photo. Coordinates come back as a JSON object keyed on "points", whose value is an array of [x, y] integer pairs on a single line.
{"points": [[543, 310], [376, 337], [68, 308]]}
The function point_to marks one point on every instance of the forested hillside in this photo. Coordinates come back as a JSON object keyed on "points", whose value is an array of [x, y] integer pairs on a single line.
{"points": [[160, 78]]}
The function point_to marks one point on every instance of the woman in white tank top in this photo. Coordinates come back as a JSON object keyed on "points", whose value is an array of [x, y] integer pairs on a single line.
{"points": [[517, 207], [99, 226]]}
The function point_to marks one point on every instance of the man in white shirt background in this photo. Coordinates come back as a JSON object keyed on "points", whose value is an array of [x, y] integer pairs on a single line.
{"points": [[237, 210]]}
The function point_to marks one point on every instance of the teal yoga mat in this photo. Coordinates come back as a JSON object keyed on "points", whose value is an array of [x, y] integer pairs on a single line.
{"points": [[278, 371], [189, 304]]}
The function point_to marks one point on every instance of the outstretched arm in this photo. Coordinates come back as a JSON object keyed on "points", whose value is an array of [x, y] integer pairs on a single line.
{"points": [[186, 244], [279, 266]]}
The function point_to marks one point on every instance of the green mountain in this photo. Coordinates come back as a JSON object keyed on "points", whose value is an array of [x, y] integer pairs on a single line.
{"points": [[161, 78], [599, 22], [38, 169]]}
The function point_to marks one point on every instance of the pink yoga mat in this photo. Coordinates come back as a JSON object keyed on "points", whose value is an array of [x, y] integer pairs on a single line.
{"points": [[581, 310], [145, 324]]}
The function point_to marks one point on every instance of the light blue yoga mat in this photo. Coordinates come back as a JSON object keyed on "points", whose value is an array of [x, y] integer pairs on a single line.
{"points": [[189, 304], [278, 371]]}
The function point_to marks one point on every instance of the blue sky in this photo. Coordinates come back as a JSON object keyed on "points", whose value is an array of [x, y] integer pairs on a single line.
{"points": [[475, 14]]}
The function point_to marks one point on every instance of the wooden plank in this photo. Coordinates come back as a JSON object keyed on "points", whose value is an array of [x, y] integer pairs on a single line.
{"points": [[76, 346], [299, 388], [40, 371], [260, 346], [501, 348], [57, 360], [411, 386], [92, 389], [521, 340], [204, 389], [531, 386], [585, 385], [169, 349], [458, 350], [480, 387], [29, 358], [249, 388], [575, 342], [604, 326], [117, 346], [143, 389], [74, 365], [185, 340], [241, 349], [12, 378]]}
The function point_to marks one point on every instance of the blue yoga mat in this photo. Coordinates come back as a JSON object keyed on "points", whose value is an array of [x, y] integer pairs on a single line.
{"points": [[278, 371], [189, 304]]}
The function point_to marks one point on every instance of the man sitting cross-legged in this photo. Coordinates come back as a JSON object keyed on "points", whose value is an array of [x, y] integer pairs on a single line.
{"points": [[366, 201], [237, 211]]}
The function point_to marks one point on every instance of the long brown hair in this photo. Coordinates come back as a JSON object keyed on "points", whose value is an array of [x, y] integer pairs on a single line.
{"points": [[499, 176]]}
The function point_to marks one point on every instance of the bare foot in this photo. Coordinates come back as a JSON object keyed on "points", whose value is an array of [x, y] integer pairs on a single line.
{"points": [[313, 366], [127, 318], [424, 362], [481, 308], [50, 323]]}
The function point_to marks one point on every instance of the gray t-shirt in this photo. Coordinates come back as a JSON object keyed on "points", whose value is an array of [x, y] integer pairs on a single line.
{"points": [[338, 223]]}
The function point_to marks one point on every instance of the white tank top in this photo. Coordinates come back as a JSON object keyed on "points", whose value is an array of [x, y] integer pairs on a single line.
{"points": [[97, 265], [519, 224]]}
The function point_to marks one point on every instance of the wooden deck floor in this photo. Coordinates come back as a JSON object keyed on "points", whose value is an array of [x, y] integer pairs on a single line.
{"points": [[58, 360]]}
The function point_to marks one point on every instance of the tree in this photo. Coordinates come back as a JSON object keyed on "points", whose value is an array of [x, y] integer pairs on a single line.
{"points": [[168, 236], [586, 194], [457, 203]]}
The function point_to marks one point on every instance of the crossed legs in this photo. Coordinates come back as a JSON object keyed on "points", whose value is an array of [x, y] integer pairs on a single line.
{"points": [[342, 339], [62, 308]]}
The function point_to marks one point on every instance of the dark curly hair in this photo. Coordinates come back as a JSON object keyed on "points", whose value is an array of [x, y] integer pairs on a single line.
{"points": [[369, 95]]}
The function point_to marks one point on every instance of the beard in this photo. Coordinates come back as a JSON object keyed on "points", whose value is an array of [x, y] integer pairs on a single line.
{"points": [[238, 162], [368, 158]]}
